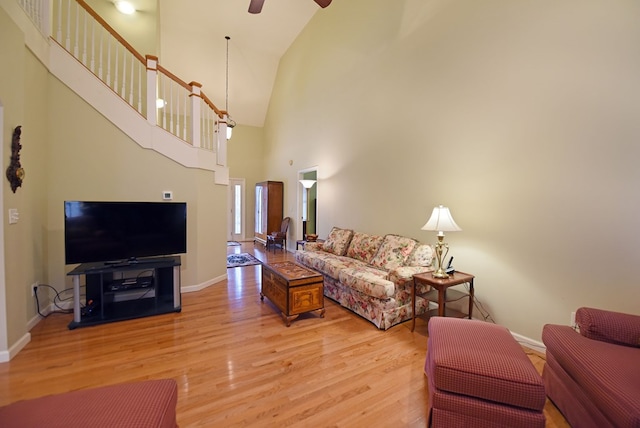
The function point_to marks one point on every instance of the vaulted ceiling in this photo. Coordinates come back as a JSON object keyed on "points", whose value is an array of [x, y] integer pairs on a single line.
{"points": [[193, 46]]}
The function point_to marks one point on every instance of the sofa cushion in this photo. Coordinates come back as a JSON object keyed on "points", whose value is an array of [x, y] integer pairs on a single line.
{"points": [[393, 252], [338, 241], [608, 326], [312, 259], [422, 255], [333, 265], [363, 247], [367, 281]]}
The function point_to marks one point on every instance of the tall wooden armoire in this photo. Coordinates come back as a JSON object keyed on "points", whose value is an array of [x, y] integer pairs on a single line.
{"points": [[269, 209]]}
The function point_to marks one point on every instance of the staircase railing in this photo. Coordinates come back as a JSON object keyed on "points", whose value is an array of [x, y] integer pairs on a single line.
{"points": [[38, 12], [165, 100]]}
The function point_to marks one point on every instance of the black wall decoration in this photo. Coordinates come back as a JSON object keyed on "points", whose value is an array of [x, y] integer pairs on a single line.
{"points": [[15, 172]]}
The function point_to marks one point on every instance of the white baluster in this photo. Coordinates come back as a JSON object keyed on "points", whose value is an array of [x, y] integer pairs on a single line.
{"points": [[100, 58], [85, 37], [59, 29], [115, 69], [204, 125], [123, 91], [133, 64], [166, 102], [176, 129], [210, 126], [45, 14], [171, 106], [67, 40], [140, 89], [75, 42], [108, 82], [93, 46], [184, 122]]}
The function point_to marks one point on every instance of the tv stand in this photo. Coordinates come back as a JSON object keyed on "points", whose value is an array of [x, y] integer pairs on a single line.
{"points": [[116, 292]]}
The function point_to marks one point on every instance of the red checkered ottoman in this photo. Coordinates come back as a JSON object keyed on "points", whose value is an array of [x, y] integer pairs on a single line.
{"points": [[479, 376], [147, 404]]}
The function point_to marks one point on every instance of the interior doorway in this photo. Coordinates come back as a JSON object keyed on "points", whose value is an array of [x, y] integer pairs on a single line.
{"points": [[308, 207], [235, 218], [4, 334]]}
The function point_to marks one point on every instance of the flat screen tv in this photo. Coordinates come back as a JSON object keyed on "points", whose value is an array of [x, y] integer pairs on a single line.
{"points": [[117, 232]]}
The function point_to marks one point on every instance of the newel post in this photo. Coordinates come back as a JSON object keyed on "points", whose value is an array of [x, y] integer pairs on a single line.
{"points": [[196, 113], [152, 81], [221, 141]]}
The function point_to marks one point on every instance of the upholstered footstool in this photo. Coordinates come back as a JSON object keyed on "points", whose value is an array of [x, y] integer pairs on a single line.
{"points": [[148, 404], [479, 376]]}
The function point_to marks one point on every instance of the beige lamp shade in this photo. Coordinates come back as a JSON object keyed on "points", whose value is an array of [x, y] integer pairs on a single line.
{"points": [[307, 184], [441, 221]]}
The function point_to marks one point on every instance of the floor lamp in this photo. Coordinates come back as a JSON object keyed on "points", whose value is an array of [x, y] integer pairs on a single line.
{"points": [[306, 185]]}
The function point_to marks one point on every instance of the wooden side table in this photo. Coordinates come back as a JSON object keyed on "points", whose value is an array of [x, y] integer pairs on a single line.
{"points": [[441, 285]]}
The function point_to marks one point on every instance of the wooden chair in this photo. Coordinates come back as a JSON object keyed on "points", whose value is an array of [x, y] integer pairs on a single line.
{"points": [[279, 237]]}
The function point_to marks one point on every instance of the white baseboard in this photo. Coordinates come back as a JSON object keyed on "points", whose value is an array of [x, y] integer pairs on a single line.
{"points": [[33, 322], [6, 356], [530, 343], [203, 285], [524, 341]]}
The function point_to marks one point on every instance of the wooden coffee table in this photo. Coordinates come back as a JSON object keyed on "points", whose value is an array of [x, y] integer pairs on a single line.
{"points": [[293, 288]]}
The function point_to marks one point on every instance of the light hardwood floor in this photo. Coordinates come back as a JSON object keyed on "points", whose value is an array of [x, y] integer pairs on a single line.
{"points": [[237, 364]]}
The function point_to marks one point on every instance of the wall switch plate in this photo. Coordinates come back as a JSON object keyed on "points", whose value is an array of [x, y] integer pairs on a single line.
{"points": [[167, 195], [14, 216]]}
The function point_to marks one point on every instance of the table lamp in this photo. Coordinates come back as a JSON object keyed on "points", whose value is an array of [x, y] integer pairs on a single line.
{"points": [[441, 221]]}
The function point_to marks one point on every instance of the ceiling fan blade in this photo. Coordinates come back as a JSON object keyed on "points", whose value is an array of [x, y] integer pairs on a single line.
{"points": [[255, 6], [323, 3]]}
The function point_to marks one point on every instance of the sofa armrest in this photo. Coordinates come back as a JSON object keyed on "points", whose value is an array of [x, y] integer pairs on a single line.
{"points": [[404, 274], [313, 246], [609, 326]]}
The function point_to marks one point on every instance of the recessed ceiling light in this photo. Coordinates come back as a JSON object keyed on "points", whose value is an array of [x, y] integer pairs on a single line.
{"points": [[125, 7]]}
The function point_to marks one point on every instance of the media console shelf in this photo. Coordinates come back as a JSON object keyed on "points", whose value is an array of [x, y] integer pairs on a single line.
{"points": [[124, 291]]}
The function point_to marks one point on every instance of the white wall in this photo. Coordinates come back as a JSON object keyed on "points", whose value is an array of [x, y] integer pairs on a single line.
{"points": [[246, 160], [70, 151], [519, 116], [139, 29]]}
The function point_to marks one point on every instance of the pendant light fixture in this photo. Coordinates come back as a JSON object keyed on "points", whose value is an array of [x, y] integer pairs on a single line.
{"points": [[230, 122], [125, 7]]}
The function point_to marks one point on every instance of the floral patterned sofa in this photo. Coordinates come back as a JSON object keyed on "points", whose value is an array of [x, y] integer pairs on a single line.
{"points": [[369, 274]]}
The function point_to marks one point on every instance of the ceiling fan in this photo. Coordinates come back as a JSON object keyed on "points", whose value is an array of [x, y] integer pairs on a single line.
{"points": [[256, 5]]}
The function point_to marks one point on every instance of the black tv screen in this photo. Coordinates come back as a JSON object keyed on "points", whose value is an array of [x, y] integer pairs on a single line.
{"points": [[114, 232]]}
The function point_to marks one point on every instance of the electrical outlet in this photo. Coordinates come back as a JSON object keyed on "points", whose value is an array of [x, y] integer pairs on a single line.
{"points": [[34, 288], [572, 321]]}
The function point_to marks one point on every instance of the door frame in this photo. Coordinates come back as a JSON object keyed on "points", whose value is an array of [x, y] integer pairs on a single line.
{"points": [[243, 208], [5, 354], [300, 191]]}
